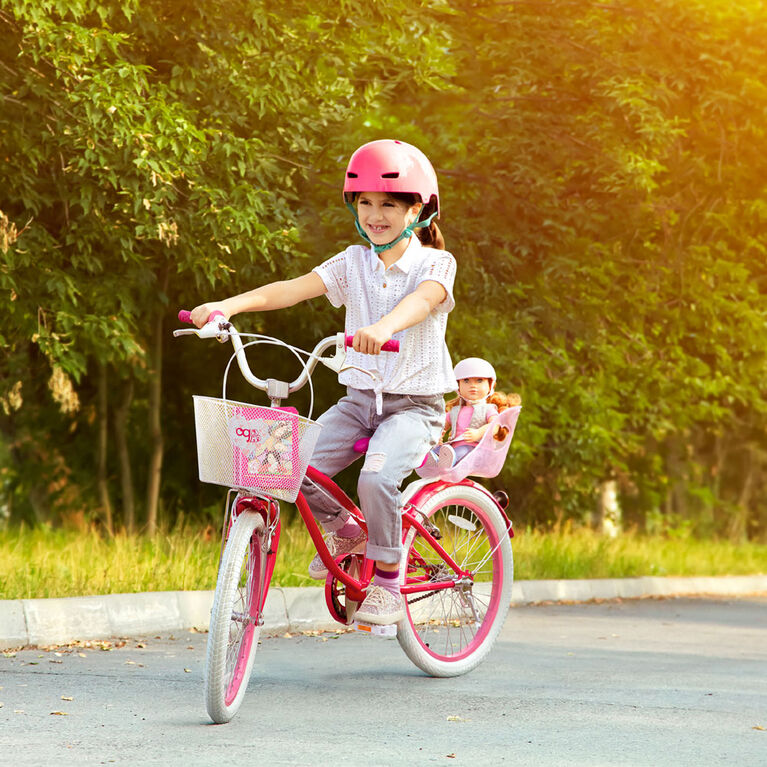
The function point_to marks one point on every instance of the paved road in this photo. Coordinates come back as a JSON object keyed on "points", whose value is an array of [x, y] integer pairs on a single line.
{"points": [[650, 682]]}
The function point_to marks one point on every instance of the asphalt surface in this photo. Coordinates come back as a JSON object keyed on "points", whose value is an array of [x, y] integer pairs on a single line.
{"points": [[672, 681]]}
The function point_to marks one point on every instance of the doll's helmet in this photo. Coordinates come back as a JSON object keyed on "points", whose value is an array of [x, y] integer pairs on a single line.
{"points": [[475, 367], [388, 165]]}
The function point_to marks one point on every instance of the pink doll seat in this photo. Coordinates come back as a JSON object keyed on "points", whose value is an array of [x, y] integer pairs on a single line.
{"points": [[485, 460]]}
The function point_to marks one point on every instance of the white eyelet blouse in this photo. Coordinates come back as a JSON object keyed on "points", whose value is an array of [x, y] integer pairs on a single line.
{"points": [[356, 278]]}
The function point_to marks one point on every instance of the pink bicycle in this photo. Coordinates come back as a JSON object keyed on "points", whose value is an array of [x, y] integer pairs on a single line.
{"points": [[456, 568]]}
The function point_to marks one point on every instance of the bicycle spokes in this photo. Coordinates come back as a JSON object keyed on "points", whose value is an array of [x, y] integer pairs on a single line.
{"points": [[456, 586]]}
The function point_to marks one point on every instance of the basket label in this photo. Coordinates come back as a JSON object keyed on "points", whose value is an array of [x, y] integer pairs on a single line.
{"points": [[245, 433], [266, 445]]}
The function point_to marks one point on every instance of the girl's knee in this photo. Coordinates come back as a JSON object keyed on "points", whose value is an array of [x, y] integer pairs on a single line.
{"points": [[373, 480]]}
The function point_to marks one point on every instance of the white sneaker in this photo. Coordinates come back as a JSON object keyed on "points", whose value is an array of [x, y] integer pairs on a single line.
{"points": [[337, 546], [380, 607], [430, 462]]}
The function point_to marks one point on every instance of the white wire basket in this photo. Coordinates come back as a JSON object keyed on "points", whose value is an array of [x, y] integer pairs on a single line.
{"points": [[253, 447]]}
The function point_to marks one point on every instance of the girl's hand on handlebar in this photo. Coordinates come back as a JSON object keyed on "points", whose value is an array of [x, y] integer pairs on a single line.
{"points": [[201, 313], [369, 340]]}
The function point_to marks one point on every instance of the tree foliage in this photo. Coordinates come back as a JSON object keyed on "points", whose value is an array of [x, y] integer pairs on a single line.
{"points": [[603, 190], [154, 153], [611, 193]]}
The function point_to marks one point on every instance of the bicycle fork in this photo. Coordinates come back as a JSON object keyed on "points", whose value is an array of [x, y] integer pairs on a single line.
{"points": [[268, 542]]}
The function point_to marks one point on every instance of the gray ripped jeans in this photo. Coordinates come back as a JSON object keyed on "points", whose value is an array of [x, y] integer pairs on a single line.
{"points": [[399, 439]]}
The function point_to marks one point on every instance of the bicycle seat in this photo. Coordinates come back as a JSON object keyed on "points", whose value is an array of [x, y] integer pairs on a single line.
{"points": [[361, 445], [485, 460]]}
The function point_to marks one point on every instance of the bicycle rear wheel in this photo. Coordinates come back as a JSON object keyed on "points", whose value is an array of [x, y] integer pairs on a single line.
{"points": [[235, 618], [449, 631]]}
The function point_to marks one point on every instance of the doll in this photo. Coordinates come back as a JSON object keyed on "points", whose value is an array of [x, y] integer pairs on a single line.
{"points": [[469, 415], [273, 456]]}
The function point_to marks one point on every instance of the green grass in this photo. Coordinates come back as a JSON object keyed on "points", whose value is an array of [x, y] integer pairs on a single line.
{"points": [[582, 553], [43, 562]]}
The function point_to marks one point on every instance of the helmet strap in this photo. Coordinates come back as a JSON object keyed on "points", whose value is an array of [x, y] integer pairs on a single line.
{"points": [[406, 232]]}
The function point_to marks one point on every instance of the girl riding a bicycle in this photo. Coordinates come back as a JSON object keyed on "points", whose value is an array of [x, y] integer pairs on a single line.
{"points": [[399, 286]]}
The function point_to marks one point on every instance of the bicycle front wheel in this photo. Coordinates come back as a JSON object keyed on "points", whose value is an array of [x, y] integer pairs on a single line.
{"points": [[235, 618], [448, 631]]}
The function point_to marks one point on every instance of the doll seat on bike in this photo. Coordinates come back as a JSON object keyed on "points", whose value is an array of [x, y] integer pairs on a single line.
{"points": [[486, 459]]}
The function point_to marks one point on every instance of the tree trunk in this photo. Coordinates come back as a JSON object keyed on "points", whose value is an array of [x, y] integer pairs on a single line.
{"points": [[155, 429], [103, 482], [738, 524], [717, 472], [123, 456], [609, 516], [676, 496]]}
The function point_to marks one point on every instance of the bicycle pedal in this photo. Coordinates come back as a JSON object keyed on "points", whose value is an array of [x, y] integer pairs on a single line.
{"points": [[375, 630]]}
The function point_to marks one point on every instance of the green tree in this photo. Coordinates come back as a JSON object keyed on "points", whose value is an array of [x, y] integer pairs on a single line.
{"points": [[155, 153], [603, 190], [605, 197]]}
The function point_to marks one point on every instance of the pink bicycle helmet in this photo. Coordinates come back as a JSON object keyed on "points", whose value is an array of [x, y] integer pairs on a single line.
{"points": [[475, 367], [387, 165]]}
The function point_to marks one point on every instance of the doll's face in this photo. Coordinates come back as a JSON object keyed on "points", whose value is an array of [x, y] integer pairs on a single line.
{"points": [[474, 388]]}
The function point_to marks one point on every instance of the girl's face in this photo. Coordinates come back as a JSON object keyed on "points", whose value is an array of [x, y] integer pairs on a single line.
{"points": [[474, 388], [382, 217]]}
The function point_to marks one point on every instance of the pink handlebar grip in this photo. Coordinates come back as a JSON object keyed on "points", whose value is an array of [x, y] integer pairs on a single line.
{"points": [[390, 346], [186, 316]]}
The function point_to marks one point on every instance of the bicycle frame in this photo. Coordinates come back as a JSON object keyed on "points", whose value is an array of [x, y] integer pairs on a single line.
{"points": [[269, 509], [409, 519], [266, 506]]}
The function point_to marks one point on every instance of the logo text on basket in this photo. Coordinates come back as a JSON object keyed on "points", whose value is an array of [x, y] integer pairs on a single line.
{"points": [[245, 433], [251, 435]]}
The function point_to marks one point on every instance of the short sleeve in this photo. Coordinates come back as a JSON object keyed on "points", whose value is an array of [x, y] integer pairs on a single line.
{"points": [[492, 412], [333, 274], [440, 267]]}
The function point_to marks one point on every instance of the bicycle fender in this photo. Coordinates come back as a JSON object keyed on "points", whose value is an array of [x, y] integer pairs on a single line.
{"points": [[418, 492]]}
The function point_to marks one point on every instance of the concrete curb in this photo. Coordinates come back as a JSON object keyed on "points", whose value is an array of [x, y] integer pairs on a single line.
{"points": [[57, 621]]}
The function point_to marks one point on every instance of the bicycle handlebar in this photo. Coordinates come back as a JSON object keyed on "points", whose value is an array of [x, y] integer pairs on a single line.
{"points": [[185, 316], [392, 345], [223, 330]]}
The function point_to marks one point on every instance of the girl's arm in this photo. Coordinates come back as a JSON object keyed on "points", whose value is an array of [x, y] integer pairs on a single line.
{"points": [[275, 295], [411, 310]]}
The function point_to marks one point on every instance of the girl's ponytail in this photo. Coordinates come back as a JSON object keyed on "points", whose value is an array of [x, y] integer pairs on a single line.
{"points": [[431, 237]]}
